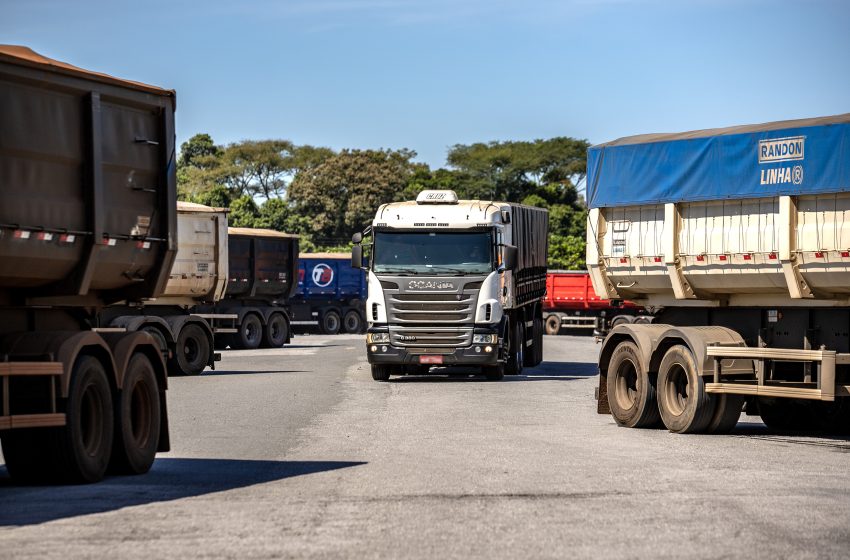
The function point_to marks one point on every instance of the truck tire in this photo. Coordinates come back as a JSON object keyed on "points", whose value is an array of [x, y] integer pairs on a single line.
{"points": [[159, 337], [553, 324], [621, 320], [192, 354], [631, 391], [137, 419], [275, 331], [538, 339], [684, 405], [74, 453], [381, 372], [250, 333], [331, 322], [516, 352], [726, 414], [493, 373], [353, 322]]}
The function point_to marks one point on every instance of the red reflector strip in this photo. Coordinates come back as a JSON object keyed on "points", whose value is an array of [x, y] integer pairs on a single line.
{"points": [[67, 238], [818, 255], [772, 256], [748, 257], [45, 236], [143, 245], [700, 258], [623, 260], [845, 254], [657, 259], [722, 257], [22, 234]]}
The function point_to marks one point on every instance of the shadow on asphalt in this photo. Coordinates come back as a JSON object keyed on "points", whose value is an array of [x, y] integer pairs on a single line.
{"points": [[757, 430], [211, 372], [547, 371], [169, 479]]}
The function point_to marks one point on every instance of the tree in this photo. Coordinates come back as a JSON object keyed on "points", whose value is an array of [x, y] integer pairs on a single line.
{"points": [[341, 194]]}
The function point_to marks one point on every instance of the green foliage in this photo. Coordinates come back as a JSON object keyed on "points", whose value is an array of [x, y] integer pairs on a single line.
{"points": [[243, 212], [566, 252]]}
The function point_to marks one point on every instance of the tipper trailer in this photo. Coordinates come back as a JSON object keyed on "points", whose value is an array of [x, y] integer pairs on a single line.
{"points": [[738, 239], [454, 283], [87, 218], [330, 294]]}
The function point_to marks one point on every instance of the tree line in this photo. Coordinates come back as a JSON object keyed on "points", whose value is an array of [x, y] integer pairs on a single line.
{"points": [[325, 195]]}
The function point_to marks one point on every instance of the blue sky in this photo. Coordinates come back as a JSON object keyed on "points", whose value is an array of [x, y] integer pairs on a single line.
{"points": [[428, 74]]}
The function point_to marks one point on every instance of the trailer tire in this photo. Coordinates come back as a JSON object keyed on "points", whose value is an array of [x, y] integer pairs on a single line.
{"points": [[192, 352], [516, 352], [621, 320], [493, 373], [137, 419], [353, 322], [553, 324], [538, 339], [381, 372], [684, 405], [250, 333], [631, 391], [726, 414], [331, 322], [275, 331], [160, 339]]}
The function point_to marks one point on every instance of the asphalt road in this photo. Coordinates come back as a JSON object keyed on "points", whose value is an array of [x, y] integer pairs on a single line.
{"points": [[298, 453]]}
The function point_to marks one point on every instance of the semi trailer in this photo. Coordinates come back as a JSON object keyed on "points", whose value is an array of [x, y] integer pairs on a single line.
{"points": [[87, 218], [572, 304], [454, 283], [198, 278], [330, 294], [738, 240]]}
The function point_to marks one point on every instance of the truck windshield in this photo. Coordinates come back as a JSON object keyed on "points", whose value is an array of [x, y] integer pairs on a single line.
{"points": [[438, 253]]}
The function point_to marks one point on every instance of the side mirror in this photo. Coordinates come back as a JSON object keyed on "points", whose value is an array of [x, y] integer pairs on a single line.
{"points": [[357, 238], [357, 256], [509, 257]]}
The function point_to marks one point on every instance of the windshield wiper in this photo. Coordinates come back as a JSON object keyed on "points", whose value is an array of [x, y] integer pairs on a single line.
{"points": [[397, 270], [459, 271]]}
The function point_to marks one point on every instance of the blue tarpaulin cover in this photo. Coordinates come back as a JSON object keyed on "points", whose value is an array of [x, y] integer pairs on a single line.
{"points": [[806, 156]]}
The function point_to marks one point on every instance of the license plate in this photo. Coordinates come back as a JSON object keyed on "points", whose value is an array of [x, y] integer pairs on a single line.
{"points": [[430, 359]]}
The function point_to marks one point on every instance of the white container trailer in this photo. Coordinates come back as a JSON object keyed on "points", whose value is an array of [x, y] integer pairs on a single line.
{"points": [[738, 240], [198, 277]]}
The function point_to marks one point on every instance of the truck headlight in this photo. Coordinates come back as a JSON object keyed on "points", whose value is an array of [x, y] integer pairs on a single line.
{"points": [[378, 337], [483, 338]]}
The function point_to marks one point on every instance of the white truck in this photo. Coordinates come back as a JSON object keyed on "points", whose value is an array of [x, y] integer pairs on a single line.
{"points": [[454, 283], [738, 241]]}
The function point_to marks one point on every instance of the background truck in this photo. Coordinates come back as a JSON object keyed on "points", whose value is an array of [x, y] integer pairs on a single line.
{"points": [[739, 240], [330, 294], [87, 218], [198, 277], [571, 303], [262, 272], [454, 282]]}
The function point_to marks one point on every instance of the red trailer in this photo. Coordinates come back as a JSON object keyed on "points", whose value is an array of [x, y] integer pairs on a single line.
{"points": [[571, 303]]}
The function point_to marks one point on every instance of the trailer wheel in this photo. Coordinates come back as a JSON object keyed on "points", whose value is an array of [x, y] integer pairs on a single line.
{"points": [[726, 414], [553, 324], [353, 322], [137, 419], [331, 322], [381, 372], [684, 405], [516, 353], [80, 450], [631, 391], [250, 332], [157, 335], [193, 351], [274, 334]]}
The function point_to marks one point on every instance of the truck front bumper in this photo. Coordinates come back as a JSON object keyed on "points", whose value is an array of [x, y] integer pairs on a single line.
{"points": [[476, 354]]}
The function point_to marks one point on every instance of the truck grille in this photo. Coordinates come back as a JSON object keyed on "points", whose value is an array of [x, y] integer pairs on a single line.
{"points": [[424, 340], [427, 309]]}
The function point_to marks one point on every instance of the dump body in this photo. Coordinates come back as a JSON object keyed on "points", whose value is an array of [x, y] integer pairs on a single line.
{"points": [[87, 208], [330, 294], [738, 240], [439, 290], [263, 264], [571, 303], [87, 218]]}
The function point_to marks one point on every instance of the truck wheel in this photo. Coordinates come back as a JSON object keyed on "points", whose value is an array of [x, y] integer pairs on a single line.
{"points": [[331, 322], [620, 320], [516, 354], [250, 332], [493, 373], [137, 419], [157, 335], [80, 450], [381, 372], [553, 324], [684, 405], [631, 392], [192, 354], [274, 335], [352, 321], [726, 414], [538, 340]]}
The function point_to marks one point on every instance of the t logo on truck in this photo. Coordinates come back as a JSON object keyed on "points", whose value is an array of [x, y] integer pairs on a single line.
{"points": [[323, 275]]}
